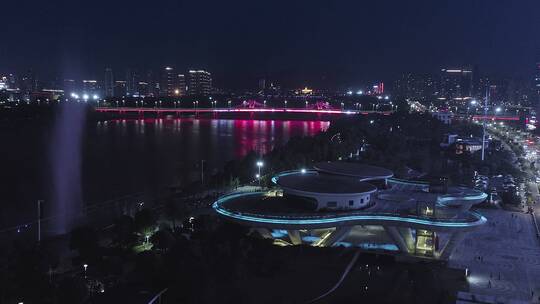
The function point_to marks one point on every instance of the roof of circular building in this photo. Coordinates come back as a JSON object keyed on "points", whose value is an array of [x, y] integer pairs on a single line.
{"points": [[361, 171], [316, 183]]}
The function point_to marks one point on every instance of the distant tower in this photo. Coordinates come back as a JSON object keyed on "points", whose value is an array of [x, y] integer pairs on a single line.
{"points": [[109, 83]]}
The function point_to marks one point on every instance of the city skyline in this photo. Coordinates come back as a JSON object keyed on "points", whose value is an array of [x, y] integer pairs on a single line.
{"points": [[301, 43]]}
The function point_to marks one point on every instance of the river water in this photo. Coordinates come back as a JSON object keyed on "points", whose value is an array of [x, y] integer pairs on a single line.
{"points": [[123, 156]]}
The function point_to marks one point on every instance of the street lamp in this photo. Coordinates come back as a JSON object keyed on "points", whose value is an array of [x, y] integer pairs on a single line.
{"points": [[259, 166], [285, 103], [85, 266]]}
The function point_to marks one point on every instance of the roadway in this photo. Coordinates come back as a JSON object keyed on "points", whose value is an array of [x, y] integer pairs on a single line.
{"points": [[531, 147]]}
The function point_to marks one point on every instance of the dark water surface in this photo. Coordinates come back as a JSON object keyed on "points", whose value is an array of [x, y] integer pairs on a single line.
{"points": [[124, 156]]}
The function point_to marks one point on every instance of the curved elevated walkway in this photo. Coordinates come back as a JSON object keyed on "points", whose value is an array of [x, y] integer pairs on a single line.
{"points": [[250, 209]]}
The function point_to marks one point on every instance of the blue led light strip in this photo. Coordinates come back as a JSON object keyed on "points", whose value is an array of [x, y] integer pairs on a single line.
{"points": [[256, 218]]}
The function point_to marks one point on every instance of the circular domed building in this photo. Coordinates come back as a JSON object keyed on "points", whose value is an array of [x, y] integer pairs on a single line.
{"points": [[356, 205], [324, 192]]}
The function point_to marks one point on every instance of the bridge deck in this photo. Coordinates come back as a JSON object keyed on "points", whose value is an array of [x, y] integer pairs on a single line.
{"points": [[235, 110]]}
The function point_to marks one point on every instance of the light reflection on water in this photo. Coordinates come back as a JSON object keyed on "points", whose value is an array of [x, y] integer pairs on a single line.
{"points": [[155, 151]]}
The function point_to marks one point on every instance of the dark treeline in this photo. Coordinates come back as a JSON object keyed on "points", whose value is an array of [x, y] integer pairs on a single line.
{"points": [[398, 141]]}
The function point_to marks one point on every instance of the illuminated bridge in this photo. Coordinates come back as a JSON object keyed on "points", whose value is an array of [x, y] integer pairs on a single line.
{"points": [[141, 110], [332, 209]]}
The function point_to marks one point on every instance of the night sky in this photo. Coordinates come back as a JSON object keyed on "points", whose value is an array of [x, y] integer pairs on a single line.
{"points": [[294, 42]]}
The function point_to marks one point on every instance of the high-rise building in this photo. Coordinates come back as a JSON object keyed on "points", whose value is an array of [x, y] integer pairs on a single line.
{"points": [[200, 83], [456, 84], [378, 88], [262, 84], [132, 80], [28, 84], [70, 86], [167, 85], [417, 87], [120, 88], [12, 81], [152, 84], [180, 85], [3, 83], [143, 88], [537, 81], [109, 83], [90, 87]]}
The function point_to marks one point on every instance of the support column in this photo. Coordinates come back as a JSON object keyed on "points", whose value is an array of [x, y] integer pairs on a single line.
{"points": [[335, 236], [446, 251], [294, 235], [394, 234], [406, 233]]}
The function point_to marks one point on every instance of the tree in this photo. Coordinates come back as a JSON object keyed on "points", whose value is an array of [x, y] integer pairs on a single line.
{"points": [[85, 241], [124, 229], [72, 290], [163, 240], [145, 222]]}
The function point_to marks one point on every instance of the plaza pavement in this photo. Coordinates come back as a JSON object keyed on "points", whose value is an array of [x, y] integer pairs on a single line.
{"points": [[503, 256]]}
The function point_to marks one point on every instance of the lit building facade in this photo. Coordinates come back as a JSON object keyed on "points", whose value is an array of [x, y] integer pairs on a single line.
{"points": [[200, 83], [167, 85], [181, 87]]}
